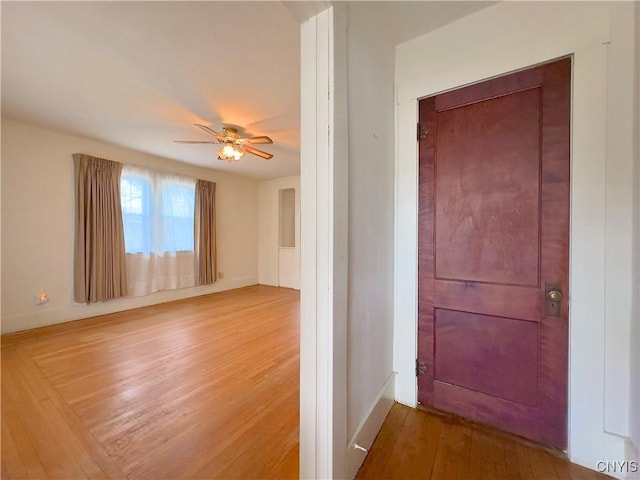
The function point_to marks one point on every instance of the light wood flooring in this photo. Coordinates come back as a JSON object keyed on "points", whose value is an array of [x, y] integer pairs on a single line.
{"points": [[201, 388], [416, 444], [209, 388]]}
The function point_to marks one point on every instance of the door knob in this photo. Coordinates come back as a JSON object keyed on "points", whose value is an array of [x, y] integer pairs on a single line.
{"points": [[553, 296]]}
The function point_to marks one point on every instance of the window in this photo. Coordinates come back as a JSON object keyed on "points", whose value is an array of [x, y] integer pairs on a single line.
{"points": [[287, 217], [178, 203], [157, 211], [135, 195]]}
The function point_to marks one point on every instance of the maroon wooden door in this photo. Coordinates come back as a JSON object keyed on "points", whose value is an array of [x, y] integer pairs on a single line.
{"points": [[493, 246]]}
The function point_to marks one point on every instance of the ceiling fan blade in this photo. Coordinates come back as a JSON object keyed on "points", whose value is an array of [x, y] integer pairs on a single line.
{"points": [[193, 141], [260, 139], [255, 151], [208, 130]]}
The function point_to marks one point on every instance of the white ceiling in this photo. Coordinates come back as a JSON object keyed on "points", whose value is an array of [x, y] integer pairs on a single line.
{"points": [[140, 74]]}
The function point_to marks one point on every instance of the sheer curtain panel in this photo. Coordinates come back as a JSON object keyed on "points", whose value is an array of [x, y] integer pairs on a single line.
{"points": [[205, 232], [158, 212], [99, 261]]}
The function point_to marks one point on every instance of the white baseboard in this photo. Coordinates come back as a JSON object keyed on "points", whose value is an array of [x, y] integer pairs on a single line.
{"points": [[618, 458], [59, 311], [368, 430], [632, 455]]}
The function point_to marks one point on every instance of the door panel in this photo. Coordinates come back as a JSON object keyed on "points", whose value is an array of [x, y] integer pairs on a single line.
{"points": [[506, 345], [493, 231], [487, 190], [501, 300]]}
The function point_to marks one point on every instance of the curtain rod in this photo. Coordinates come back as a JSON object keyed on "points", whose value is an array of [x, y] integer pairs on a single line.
{"points": [[143, 167]]}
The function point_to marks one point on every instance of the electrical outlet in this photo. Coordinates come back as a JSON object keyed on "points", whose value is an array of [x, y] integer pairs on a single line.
{"points": [[42, 297], [220, 275]]}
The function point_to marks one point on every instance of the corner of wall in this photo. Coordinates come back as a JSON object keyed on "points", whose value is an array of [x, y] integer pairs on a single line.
{"points": [[37, 250], [361, 442]]}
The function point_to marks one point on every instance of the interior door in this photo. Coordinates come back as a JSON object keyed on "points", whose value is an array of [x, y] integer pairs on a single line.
{"points": [[493, 252]]}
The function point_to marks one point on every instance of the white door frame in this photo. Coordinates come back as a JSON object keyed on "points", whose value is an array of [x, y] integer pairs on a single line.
{"points": [[324, 247], [425, 67]]}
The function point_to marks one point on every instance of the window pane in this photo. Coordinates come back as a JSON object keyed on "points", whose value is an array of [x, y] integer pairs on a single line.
{"points": [[131, 195], [135, 194], [133, 233], [157, 211], [178, 204]]}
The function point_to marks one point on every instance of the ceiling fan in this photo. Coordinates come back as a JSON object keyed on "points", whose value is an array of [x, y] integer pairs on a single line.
{"points": [[233, 146]]}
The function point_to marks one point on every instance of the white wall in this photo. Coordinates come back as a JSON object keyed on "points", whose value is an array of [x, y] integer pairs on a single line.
{"points": [[634, 402], [371, 212], [619, 217], [38, 226], [277, 266], [494, 41]]}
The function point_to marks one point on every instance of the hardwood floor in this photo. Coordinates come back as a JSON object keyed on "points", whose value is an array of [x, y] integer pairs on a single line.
{"points": [[209, 388], [201, 388], [416, 444]]}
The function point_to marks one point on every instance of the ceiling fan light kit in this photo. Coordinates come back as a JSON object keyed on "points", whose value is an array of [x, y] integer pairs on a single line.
{"points": [[233, 146], [229, 153]]}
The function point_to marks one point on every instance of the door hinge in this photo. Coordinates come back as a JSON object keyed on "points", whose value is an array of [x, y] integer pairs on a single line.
{"points": [[421, 132], [421, 368]]}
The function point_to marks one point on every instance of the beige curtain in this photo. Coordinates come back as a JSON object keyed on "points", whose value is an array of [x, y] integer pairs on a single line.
{"points": [[205, 233], [99, 263]]}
